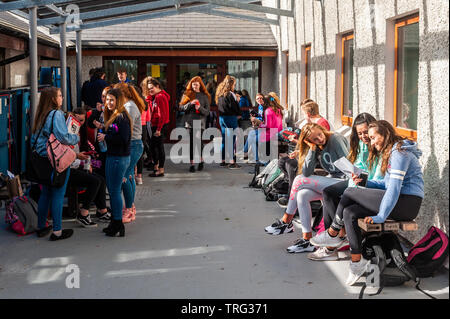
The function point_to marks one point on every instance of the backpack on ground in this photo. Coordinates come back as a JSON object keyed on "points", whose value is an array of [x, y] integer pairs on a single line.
{"points": [[389, 266], [21, 214], [277, 188], [259, 179], [254, 182], [429, 253]]}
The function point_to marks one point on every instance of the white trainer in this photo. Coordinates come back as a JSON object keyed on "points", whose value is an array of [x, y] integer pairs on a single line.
{"points": [[357, 269], [323, 254], [325, 240]]}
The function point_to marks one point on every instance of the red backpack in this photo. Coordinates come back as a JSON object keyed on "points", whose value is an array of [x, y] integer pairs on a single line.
{"points": [[430, 253]]}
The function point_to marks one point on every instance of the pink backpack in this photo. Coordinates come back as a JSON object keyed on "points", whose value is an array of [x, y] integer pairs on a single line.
{"points": [[61, 156]]}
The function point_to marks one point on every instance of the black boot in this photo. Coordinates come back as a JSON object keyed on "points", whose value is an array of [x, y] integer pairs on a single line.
{"points": [[116, 227]]}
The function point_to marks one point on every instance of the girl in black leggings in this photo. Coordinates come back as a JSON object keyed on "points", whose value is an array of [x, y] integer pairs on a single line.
{"points": [[398, 196]]}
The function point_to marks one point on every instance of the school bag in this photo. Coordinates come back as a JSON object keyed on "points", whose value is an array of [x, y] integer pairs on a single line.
{"points": [[429, 253], [258, 180], [278, 187], [21, 214]]}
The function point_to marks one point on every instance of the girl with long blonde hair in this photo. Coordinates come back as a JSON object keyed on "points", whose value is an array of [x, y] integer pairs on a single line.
{"points": [[229, 111], [315, 145], [118, 124]]}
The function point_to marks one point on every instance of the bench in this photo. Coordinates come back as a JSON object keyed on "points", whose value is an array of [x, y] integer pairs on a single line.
{"points": [[388, 225]]}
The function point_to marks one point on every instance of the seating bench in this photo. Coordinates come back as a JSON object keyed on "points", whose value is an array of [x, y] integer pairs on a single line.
{"points": [[388, 225]]}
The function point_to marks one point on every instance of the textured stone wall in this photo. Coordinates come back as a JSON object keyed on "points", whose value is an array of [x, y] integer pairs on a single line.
{"points": [[320, 23]]}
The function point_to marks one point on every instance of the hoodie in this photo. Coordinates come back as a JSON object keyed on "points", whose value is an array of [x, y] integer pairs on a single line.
{"points": [[159, 104], [403, 176]]}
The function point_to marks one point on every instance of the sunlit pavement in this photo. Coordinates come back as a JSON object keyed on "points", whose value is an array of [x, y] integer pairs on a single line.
{"points": [[196, 235]]}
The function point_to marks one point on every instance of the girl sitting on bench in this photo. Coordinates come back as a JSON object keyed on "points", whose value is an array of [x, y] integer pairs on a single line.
{"points": [[398, 196]]}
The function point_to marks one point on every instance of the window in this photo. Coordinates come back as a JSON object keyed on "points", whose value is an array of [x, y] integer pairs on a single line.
{"points": [[406, 76], [111, 67], [246, 73], [347, 80], [307, 75]]}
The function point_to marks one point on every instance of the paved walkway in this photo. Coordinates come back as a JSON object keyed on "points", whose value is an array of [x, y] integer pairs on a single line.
{"points": [[195, 236]]}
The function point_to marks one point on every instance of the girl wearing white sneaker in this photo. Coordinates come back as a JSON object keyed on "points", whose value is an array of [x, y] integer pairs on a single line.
{"points": [[359, 154], [315, 144], [398, 196]]}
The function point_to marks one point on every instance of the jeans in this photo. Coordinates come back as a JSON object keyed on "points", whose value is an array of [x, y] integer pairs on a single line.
{"points": [[228, 123], [115, 169], [252, 141], [129, 186], [52, 198]]}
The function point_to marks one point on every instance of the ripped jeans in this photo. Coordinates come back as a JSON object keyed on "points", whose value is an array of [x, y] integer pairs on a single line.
{"points": [[129, 186], [305, 190]]}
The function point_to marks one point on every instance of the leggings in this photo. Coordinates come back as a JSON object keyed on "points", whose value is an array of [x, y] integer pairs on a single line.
{"points": [[305, 190], [289, 167], [331, 197], [95, 186], [157, 147], [364, 202]]}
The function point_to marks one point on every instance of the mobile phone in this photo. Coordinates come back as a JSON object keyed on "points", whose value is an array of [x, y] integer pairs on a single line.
{"points": [[364, 177]]}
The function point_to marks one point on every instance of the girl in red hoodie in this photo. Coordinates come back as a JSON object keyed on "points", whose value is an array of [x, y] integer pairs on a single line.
{"points": [[158, 101]]}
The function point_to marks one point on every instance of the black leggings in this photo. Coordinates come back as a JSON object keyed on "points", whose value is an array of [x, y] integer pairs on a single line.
{"points": [[331, 197], [157, 147], [95, 188], [145, 141], [364, 202], [289, 167]]}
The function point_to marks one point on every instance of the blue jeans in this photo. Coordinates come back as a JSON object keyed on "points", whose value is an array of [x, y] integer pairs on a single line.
{"points": [[52, 198], [252, 140], [229, 122], [115, 168], [129, 187]]}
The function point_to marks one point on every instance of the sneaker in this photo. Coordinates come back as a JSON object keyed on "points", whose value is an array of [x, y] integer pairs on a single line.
{"points": [[325, 240], [86, 221], [357, 269], [234, 166], [105, 217], [300, 246], [200, 166], [322, 253], [223, 164], [139, 180], [192, 169], [283, 201], [279, 228]]}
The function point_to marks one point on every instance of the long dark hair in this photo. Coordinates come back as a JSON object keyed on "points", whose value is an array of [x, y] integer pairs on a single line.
{"points": [[354, 139], [385, 129]]}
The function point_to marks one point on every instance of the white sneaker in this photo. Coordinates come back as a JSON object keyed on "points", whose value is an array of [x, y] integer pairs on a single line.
{"points": [[324, 254], [139, 180], [357, 269], [279, 228], [300, 246], [325, 240]]}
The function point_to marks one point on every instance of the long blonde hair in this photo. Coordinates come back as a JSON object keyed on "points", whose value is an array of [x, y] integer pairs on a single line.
{"points": [[130, 93], [144, 86], [120, 109], [47, 103], [225, 86], [302, 147]]}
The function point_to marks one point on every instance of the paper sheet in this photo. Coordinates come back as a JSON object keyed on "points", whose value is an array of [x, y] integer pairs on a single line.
{"points": [[346, 167]]}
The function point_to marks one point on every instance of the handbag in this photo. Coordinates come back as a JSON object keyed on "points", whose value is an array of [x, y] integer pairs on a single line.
{"points": [[39, 170], [61, 156]]}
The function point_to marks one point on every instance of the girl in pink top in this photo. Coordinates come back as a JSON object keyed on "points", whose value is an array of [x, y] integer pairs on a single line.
{"points": [[273, 118]]}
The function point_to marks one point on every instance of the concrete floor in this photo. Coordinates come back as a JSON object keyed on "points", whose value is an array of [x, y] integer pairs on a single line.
{"points": [[195, 236]]}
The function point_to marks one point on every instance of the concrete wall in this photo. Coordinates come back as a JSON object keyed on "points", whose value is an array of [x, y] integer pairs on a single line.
{"points": [[321, 23]]}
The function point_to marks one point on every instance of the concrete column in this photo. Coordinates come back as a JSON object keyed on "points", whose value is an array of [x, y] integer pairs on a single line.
{"points": [[33, 62], [79, 67], [63, 57]]}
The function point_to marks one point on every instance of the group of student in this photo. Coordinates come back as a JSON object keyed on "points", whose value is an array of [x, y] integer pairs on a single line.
{"points": [[109, 147], [394, 187]]}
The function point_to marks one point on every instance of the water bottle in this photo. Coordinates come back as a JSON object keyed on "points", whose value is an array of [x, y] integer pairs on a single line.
{"points": [[87, 164], [102, 144]]}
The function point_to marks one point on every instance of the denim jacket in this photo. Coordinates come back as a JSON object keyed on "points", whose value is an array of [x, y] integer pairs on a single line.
{"points": [[59, 130]]}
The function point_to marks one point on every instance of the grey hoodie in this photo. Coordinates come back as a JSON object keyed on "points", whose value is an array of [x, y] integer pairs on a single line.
{"points": [[335, 148], [189, 110]]}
